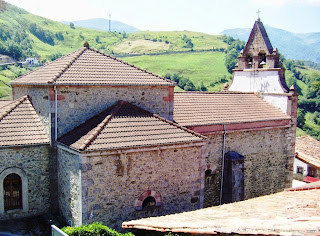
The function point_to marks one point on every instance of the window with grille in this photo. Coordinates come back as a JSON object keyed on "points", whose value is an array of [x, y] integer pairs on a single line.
{"points": [[12, 190]]}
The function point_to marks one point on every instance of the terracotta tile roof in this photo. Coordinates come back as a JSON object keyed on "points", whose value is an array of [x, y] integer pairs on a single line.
{"points": [[194, 109], [4, 102], [284, 213], [20, 124], [87, 66], [308, 150], [123, 126]]}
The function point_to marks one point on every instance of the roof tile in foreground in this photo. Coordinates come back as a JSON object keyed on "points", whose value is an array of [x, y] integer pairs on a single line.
{"points": [[308, 150], [20, 124], [285, 213], [126, 126], [196, 109], [87, 66]]}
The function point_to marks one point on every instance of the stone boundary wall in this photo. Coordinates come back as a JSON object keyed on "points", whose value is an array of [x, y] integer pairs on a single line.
{"points": [[268, 156], [112, 184], [33, 161], [69, 187]]}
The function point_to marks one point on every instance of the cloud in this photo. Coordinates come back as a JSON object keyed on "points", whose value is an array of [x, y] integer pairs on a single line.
{"points": [[280, 3], [273, 3], [311, 2]]}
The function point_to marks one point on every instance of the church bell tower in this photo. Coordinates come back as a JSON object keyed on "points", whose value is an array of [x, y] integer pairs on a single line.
{"points": [[260, 70]]}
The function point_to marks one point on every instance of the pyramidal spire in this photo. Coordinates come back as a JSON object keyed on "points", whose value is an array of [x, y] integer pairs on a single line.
{"points": [[258, 39], [258, 52]]}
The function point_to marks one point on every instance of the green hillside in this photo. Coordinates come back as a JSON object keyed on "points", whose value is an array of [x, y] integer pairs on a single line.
{"points": [[206, 67], [23, 34]]}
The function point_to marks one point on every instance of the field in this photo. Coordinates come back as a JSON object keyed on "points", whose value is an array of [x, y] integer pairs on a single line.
{"points": [[206, 67]]}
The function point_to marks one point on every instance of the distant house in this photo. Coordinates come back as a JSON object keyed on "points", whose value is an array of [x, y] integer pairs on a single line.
{"points": [[32, 61], [307, 158]]}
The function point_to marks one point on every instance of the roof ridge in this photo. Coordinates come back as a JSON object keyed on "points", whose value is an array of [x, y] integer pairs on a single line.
{"points": [[100, 127], [13, 106], [179, 126], [143, 70], [68, 65]]}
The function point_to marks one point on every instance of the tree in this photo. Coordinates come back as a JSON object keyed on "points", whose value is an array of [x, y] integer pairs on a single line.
{"points": [[59, 36], [301, 118], [55, 56], [187, 41], [98, 39], [203, 87], [189, 86], [71, 25], [231, 60]]}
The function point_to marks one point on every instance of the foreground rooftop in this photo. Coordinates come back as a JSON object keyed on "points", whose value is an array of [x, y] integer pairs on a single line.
{"points": [[291, 212]]}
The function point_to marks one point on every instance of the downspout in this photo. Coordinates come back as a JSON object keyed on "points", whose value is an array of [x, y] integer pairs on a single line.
{"points": [[55, 113], [223, 152]]}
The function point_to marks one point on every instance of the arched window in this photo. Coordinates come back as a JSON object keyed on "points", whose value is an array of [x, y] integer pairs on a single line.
{"points": [[12, 192], [148, 202], [148, 199], [262, 59]]}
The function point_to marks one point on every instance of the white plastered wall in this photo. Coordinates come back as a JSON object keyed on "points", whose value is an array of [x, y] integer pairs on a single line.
{"points": [[267, 83]]}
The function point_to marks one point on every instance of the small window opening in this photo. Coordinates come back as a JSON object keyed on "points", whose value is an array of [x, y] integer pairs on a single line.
{"points": [[299, 169], [208, 176], [262, 59], [148, 202], [12, 191], [250, 60]]}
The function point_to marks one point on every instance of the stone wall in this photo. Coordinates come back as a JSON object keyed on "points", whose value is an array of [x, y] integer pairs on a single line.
{"points": [[78, 104], [69, 187], [113, 184], [268, 156], [40, 99], [33, 161]]}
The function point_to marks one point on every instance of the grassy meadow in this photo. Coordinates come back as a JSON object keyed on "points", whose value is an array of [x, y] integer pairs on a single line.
{"points": [[206, 67]]}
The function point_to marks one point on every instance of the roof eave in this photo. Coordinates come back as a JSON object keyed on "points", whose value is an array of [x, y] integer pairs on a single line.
{"points": [[135, 148]]}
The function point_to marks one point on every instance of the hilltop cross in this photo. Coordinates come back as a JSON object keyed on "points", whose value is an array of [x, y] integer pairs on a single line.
{"points": [[258, 12]]}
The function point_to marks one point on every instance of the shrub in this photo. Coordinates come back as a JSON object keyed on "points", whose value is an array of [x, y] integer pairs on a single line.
{"points": [[93, 230]]}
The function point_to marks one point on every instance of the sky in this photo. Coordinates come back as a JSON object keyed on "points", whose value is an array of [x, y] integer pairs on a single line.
{"points": [[206, 16]]}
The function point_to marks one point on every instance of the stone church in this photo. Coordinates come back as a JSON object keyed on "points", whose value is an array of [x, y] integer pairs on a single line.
{"points": [[94, 138]]}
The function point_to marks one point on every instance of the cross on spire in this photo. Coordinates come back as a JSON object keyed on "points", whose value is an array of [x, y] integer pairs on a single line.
{"points": [[258, 12]]}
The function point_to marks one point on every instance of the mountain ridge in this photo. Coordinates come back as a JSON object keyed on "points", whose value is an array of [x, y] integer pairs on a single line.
{"points": [[103, 24]]}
